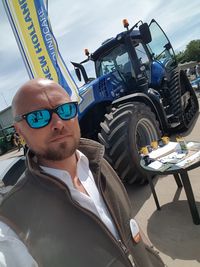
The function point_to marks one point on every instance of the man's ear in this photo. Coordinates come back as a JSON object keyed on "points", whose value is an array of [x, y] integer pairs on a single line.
{"points": [[17, 129]]}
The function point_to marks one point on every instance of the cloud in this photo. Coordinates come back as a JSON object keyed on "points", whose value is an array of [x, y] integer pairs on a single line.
{"points": [[83, 25], [10, 82], [86, 24], [180, 20]]}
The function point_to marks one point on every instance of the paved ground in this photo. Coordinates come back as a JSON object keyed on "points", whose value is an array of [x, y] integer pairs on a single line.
{"points": [[171, 229]]}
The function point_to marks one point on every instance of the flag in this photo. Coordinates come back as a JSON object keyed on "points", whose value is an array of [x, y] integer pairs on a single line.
{"points": [[37, 44]]}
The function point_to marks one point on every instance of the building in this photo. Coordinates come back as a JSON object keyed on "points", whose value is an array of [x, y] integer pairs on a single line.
{"points": [[6, 118]]}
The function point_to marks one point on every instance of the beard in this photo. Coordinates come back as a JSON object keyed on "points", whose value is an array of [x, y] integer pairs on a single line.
{"points": [[60, 152]]}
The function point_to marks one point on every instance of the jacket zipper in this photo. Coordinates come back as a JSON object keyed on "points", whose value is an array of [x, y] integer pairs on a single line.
{"points": [[118, 243], [126, 251]]}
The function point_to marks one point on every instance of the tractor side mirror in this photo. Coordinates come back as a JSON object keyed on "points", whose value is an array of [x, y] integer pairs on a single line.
{"points": [[78, 74], [145, 33]]}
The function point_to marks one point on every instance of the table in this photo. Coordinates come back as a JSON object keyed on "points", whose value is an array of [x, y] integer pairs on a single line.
{"points": [[182, 179]]}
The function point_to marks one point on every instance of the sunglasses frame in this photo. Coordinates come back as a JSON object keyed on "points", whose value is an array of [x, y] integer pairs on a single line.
{"points": [[19, 118]]}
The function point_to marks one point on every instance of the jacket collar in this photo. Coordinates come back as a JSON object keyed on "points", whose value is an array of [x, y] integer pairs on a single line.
{"points": [[94, 152]]}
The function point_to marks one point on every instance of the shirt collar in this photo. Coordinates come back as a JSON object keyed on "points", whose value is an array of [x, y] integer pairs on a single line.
{"points": [[63, 174]]}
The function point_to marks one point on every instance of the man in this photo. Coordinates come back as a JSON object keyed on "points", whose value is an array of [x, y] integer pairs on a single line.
{"points": [[70, 208], [197, 70]]}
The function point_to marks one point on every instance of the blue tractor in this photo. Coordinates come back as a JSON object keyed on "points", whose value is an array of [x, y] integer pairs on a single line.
{"points": [[139, 95]]}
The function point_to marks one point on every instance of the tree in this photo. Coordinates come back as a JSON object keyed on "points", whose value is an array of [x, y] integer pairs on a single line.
{"points": [[180, 57], [192, 51]]}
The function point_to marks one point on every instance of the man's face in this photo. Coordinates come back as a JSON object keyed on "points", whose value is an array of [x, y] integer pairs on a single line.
{"points": [[59, 139]]}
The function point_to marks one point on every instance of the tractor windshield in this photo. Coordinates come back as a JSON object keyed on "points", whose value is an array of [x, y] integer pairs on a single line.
{"points": [[116, 59]]}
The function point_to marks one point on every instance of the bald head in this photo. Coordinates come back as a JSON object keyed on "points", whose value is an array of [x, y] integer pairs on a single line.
{"points": [[34, 93], [56, 138]]}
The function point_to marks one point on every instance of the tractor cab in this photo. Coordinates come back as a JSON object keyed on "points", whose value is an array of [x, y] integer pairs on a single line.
{"points": [[141, 55]]}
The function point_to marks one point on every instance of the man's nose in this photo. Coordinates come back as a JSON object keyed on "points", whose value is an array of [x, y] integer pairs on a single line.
{"points": [[56, 122]]}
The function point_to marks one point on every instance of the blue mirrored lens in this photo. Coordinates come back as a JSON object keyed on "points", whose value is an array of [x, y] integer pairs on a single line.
{"points": [[38, 119], [67, 111]]}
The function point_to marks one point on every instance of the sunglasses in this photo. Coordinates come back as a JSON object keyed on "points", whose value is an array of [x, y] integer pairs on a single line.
{"points": [[40, 118]]}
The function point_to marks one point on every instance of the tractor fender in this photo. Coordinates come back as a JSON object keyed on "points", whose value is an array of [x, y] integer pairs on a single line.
{"points": [[152, 100]]}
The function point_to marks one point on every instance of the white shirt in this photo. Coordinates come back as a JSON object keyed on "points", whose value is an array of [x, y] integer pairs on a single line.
{"points": [[13, 252], [93, 201]]}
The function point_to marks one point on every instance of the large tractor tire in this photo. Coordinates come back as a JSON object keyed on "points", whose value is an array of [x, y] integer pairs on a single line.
{"points": [[125, 130]]}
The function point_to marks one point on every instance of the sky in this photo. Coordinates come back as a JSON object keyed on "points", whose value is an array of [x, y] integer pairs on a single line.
{"points": [[86, 24]]}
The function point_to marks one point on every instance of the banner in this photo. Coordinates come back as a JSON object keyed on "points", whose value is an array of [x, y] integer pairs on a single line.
{"points": [[37, 44]]}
